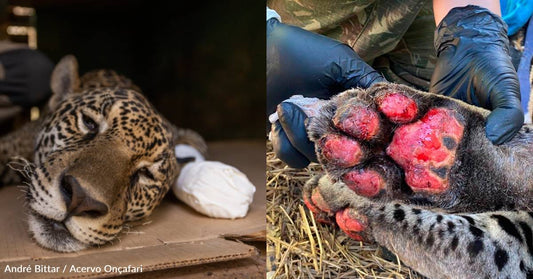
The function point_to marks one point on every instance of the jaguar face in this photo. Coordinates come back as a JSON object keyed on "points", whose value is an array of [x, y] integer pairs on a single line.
{"points": [[103, 156]]}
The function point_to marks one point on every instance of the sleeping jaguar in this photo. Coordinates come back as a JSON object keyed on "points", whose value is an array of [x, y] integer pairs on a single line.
{"points": [[415, 173], [99, 157]]}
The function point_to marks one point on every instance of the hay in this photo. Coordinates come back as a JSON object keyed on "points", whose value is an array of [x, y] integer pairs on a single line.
{"points": [[299, 247]]}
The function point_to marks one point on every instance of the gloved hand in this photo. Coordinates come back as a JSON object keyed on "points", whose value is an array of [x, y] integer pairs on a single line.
{"points": [[302, 62], [474, 66]]}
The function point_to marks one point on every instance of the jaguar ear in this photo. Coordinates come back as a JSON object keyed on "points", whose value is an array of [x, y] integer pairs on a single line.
{"points": [[65, 80]]}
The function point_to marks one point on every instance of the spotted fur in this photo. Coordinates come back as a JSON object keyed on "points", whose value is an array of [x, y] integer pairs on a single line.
{"points": [[437, 244], [102, 156]]}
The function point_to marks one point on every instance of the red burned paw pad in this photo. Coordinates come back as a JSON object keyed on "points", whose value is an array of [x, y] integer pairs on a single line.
{"points": [[364, 182], [426, 149], [398, 107], [341, 150], [309, 203], [351, 222], [357, 121], [319, 215], [318, 201]]}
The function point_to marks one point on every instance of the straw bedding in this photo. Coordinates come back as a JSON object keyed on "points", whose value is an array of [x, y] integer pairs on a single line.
{"points": [[299, 247]]}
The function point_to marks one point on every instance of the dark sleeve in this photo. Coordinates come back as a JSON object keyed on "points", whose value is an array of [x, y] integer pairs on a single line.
{"points": [[27, 77]]}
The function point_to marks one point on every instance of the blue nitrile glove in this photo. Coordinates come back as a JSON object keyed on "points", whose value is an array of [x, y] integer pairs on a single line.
{"points": [[302, 62], [474, 65]]}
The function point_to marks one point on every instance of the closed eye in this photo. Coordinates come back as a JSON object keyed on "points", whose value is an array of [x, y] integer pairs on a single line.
{"points": [[146, 173], [143, 175]]}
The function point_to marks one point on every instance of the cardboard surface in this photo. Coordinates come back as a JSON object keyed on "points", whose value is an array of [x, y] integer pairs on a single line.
{"points": [[173, 236]]}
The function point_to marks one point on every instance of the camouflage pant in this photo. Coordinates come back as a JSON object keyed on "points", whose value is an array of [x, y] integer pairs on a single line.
{"points": [[394, 36]]}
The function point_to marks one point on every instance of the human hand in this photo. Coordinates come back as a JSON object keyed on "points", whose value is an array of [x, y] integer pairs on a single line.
{"points": [[302, 62], [474, 66]]}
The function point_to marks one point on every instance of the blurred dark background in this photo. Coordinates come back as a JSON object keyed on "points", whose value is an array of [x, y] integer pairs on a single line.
{"points": [[202, 64]]}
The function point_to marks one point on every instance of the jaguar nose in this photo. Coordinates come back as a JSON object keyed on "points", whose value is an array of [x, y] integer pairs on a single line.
{"points": [[77, 201]]}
